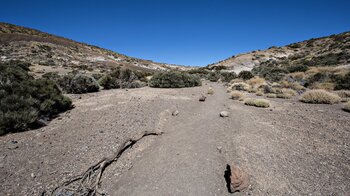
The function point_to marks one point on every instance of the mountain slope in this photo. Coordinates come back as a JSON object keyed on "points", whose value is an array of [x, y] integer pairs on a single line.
{"points": [[325, 51], [53, 53]]}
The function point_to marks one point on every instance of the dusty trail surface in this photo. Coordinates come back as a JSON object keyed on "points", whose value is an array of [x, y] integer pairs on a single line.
{"points": [[289, 149]]}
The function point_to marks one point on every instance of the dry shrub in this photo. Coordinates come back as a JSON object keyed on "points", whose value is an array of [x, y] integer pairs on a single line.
{"points": [[289, 91], [236, 95], [259, 93], [284, 96], [241, 86], [252, 90], [319, 97], [324, 85], [297, 76], [257, 103], [343, 93], [293, 85], [271, 95], [256, 82], [347, 107], [210, 91]]}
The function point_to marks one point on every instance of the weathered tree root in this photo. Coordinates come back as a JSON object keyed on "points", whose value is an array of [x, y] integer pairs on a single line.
{"points": [[89, 182]]}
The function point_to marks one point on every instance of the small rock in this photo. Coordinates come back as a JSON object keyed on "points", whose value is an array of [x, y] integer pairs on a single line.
{"points": [[224, 114], [219, 148], [202, 98], [32, 175], [42, 122], [13, 145], [239, 180], [175, 112]]}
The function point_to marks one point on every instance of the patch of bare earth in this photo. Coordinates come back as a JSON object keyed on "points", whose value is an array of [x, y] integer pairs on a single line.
{"points": [[291, 148]]}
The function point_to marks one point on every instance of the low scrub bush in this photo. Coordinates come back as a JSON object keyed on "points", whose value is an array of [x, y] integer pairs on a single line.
{"points": [[342, 82], [210, 91], [271, 95], [259, 93], [78, 84], [235, 95], [257, 103], [123, 78], [227, 76], [347, 106], [174, 80], [245, 75], [25, 100], [297, 68], [319, 97], [256, 82], [284, 96], [273, 74], [240, 86]]}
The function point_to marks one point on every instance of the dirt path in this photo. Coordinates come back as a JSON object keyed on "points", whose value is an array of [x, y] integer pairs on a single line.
{"points": [[289, 149], [186, 160]]}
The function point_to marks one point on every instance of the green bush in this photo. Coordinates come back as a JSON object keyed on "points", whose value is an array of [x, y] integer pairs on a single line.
{"points": [[297, 68], [342, 82], [214, 76], [273, 74], [245, 75], [228, 76], [78, 84], [24, 100], [123, 78], [174, 80]]}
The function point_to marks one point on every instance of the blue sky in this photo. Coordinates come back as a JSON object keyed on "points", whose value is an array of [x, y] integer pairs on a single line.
{"points": [[187, 32]]}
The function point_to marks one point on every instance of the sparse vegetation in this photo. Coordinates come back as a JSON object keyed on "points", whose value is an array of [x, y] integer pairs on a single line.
{"points": [[257, 102], [319, 97], [347, 106], [236, 95], [174, 80], [78, 84], [122, 78], [245, 75], [210, 91], [25, 100], [271, 95]]}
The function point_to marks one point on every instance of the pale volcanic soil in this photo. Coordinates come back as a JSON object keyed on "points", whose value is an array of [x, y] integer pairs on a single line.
{"points": [[291, 148]]}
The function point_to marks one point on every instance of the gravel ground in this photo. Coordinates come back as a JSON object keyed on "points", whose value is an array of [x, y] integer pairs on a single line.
{"points": [[290, 148]]}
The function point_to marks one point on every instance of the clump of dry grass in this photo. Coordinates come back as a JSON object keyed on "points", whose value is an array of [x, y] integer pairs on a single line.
{"points": [[292, 85], [257, 103], [288, 91], [323, 85], [284, 96], [241, 86], [256, 82], [236, 95], [347, 106], [210, 91], [259, 93], [344, 95], [271, 95], [252, 90], [319, 97]]}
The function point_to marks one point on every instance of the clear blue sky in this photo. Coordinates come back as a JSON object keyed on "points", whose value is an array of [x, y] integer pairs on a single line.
{"points": [[188, 32]]}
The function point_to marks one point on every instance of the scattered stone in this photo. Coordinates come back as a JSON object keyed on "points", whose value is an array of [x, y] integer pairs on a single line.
{"points": [[175, 112], [239, 180], [219, 148], [224, 114], [42, 122], [13, 145], [32, 175], [202, 98]]}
